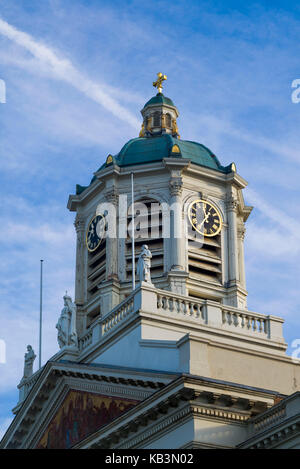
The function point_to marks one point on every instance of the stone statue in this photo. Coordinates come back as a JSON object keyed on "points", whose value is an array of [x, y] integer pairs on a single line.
{"points": [[144, 264], [149, 123], [28, 362], [174, 127], [142, 131], [66, 325]]}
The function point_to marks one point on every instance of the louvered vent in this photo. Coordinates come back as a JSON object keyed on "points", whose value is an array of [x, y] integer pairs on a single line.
{"points": [[96, 268], [153, 219], [205, 259]]}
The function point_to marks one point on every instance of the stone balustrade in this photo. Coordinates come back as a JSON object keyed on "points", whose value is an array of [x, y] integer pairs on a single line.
{"points": [[180, 305], [117, 314], [246, 321], [151, 300], [85, 340], [103, 325]]}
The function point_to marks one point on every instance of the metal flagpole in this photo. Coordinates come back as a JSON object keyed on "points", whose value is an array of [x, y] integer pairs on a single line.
{"points": [[132, 234], [41, 314]]}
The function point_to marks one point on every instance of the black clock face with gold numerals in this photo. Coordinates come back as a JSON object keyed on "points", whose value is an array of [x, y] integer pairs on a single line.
{"points": [[95, 232], [205, 218]]}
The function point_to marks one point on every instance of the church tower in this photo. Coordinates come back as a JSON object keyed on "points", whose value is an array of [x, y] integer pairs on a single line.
{"points": [[175, 175], [159, 349]]}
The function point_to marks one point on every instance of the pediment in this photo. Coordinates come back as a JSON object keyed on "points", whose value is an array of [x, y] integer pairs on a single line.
{"points": [[52, 414], [81, 414]]}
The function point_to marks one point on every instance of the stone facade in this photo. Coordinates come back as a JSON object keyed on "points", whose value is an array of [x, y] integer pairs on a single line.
{"points": [[201, 369]]}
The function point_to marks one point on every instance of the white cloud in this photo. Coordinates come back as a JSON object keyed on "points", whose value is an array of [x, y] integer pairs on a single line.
{"points": [[215, 128], [273, 243], [281, 220], [63, 69], [15, 232]]}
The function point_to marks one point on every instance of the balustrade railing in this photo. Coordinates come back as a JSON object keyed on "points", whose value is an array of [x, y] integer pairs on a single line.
{"points": [[168, 302], [117, 315], [206, 312], [246, 321], [86, 340]]}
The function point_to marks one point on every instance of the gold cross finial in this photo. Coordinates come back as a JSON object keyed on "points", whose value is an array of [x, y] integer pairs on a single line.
{"points": [[158, 83]]}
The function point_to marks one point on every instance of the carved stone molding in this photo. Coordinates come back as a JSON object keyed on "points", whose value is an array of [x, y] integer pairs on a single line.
{"points": [[232, 204], [241, 230], [176, 186], [79, 224]]}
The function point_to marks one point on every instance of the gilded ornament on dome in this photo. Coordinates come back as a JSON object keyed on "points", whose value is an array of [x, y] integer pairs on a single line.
{"points": [[142, 131], [158, 83]]}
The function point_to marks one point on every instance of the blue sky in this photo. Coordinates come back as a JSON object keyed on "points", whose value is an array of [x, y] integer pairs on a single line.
{"points": [[77, 74]]}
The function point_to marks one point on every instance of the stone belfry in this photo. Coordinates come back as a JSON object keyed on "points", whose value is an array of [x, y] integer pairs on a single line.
{"points": [[158, 349], [183, 177]]}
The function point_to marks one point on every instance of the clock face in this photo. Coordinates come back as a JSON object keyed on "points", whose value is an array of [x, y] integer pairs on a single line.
{"points": [[205, 218], [95, 232]]}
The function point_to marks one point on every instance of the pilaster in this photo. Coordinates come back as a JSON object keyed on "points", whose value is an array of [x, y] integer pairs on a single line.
{"points": [[79, 273], [177, 260], [233, 267], [241, 236], [111, 196]]}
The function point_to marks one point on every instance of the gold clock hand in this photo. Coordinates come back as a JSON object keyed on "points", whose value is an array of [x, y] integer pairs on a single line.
{"points": [[204, 220]]}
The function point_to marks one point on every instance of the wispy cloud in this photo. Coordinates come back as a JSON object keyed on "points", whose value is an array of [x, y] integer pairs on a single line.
{"points": [[219, 127], [281, 220], [64, 70]]}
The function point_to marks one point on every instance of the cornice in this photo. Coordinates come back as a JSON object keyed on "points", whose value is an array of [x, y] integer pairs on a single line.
{"points": [[77, 199], [49, 378], [275, 436], [237, 180], [170, 407], [176, 163]]}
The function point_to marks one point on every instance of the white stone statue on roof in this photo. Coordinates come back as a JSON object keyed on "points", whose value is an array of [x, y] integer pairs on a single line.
{"points": [[144, 264], [28, 362], [66, 325]]}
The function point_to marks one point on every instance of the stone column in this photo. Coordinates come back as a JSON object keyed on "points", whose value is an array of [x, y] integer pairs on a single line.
{"points": [[241, 236], [233, 266], [110, 289], [177, 275], [80, 272], [177, 254], [112, 242]]}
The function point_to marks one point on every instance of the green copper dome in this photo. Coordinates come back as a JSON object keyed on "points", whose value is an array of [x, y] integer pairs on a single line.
{"points": [[143, 150], [160, 99], [147, 150]]}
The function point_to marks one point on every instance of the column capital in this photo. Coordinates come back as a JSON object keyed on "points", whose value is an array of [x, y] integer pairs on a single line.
{"points": [[79, 224], [176, 186], [232, 204], [241, 230]]}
